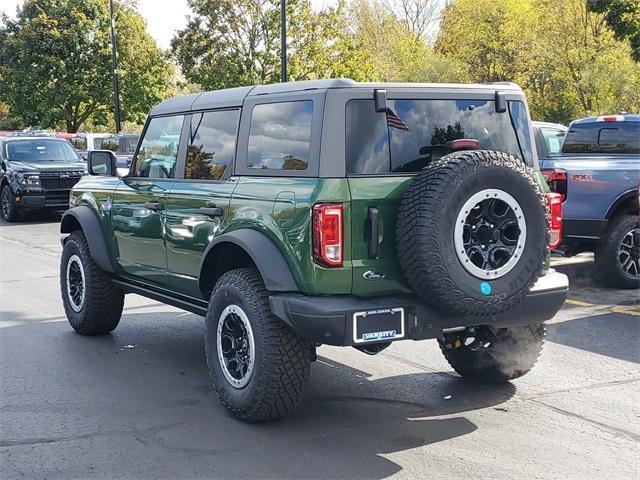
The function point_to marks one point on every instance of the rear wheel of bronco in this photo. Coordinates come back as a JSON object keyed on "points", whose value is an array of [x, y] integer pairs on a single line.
{"points": [[472, 232], [618, 254], [508, 355], [258, 365], [93, 304]]}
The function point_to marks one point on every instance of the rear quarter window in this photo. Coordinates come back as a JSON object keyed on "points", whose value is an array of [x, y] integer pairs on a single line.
{"points": [[603, 137], [280, 136]]}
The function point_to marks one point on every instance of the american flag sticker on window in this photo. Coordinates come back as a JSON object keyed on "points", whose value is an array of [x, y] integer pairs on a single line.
{"points": [[394, 121]]}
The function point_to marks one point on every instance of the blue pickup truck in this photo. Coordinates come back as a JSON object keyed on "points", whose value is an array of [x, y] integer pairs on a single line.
{"points": [[595, 166]]}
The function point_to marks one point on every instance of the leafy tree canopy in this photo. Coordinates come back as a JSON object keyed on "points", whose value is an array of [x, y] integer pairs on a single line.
{"points": [[564, 56], [55, 63], [623, 16], [228, 43]]}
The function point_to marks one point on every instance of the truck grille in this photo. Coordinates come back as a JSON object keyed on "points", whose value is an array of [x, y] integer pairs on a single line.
{"points": [[59, 181]]}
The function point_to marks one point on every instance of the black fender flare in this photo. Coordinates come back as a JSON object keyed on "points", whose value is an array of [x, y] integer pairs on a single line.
{"points": [[88, 221], [634, 193], [271, 264]]}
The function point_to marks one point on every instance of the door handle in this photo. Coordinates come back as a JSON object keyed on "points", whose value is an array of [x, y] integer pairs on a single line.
{"points": [[155, 206], [373, 242], [211, 211]]}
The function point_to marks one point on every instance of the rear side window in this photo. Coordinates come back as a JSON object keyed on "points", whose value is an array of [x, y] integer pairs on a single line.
{"points": [[603, 137], [212, 144], [112, 144], [413, 133], [128, 145], [280, 136], [553, 139], [159, 148], [79, 143]]}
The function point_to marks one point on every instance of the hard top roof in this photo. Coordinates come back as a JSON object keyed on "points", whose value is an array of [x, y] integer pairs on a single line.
{"points": [[233, 97], [600, 118], [12, 138], [538, 123]]}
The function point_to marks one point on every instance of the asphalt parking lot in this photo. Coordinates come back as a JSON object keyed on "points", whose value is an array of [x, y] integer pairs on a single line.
{"points": [[138, 403]]}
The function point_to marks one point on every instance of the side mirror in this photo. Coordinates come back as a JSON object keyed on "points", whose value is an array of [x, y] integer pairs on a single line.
{"points": [[102, 162]]}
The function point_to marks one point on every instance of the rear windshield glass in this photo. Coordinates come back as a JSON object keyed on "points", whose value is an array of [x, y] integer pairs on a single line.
{"points": [[603, 137], [40, 150], [413, 133]]}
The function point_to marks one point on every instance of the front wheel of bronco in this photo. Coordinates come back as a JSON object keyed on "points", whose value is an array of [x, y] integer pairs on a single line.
{"points": [[93, 304], [508, 355], [258, 365]]}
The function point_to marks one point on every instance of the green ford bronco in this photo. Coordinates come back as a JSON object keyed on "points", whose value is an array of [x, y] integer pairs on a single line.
{"points": [[324, 212]]}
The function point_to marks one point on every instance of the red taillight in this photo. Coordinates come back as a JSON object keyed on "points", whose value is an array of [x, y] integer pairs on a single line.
{"points": [[554, 204], [327, 234], [557, 181], [611, 118], [465, 144]]}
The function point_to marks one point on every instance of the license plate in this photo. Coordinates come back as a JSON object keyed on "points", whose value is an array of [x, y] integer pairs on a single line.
{"points": [[378, 325]]}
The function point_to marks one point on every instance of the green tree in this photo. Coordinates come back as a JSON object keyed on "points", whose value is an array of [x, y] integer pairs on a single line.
{"points": [[564, 56], [229, 43], [623, 16], [55, 63], [393, 49]]}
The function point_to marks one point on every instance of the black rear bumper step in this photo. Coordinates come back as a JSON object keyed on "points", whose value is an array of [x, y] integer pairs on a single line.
{"points": [[328, 320]]}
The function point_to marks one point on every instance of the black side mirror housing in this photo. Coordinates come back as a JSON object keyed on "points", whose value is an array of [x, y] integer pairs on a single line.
{"points": [[501, 102], [380, 100], [103, 163]]}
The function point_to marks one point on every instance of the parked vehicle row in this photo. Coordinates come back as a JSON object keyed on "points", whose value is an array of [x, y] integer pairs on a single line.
{"points": [[324, 212], [595, 166], [122, 145]]}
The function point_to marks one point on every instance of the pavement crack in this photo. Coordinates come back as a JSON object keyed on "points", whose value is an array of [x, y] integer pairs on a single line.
{"points": [[137, 433], [582, 387], [617, 432]]}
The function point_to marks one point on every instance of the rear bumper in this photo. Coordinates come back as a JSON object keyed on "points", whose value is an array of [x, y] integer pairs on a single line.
{"points": [[328, 320]]}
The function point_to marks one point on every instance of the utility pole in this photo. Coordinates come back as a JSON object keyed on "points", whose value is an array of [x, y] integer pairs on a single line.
{"points": [[283, 39], [114, 61]]}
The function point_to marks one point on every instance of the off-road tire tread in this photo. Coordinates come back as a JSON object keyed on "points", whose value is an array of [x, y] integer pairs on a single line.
{"points": [[286, 362], [420, 255], [607, 250], [13, 212], [104, 301], [481, 367]]}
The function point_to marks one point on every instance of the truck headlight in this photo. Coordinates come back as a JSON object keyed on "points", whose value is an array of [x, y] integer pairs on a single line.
{"points": [[29, 180]]}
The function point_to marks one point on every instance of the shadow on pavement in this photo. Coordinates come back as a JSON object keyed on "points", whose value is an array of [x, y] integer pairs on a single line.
{"points": [[613, 335], [34, 218], [138, 403]]}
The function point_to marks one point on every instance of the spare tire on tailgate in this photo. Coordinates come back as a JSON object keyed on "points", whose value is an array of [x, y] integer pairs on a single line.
{"points": [[472, 232]]}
